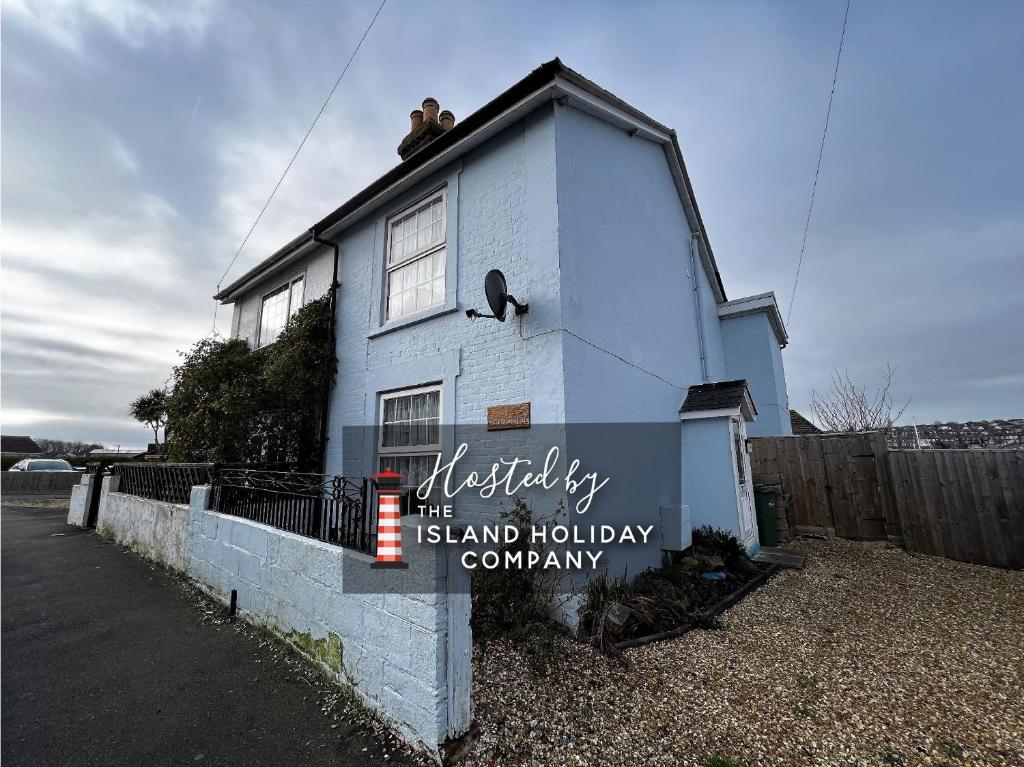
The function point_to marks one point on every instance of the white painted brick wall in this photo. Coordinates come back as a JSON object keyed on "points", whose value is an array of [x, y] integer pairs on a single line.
{"points": [[393, 645], [81, 495], [491, 194], [156, 529]]}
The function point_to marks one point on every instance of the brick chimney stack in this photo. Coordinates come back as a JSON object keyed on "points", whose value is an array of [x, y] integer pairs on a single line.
{"points": [[425, 125]]}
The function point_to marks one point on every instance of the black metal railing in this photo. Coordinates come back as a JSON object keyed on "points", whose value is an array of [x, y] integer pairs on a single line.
{"points": [[327, 507], [170, 482]]}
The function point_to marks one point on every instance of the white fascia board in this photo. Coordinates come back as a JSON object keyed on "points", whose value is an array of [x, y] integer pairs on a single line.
{"points": [[762, 302], [282, 265], [585, 101], [725, 412]]}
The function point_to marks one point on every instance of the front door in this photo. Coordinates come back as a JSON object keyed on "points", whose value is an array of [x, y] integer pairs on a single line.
{"points": [[744, 484]]}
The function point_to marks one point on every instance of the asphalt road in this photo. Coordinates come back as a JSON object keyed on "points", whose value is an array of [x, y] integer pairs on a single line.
{"points": [[109, 661]]}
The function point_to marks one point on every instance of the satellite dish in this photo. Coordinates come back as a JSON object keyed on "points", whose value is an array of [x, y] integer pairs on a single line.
{"points": [[498, 298], [496, 290]]}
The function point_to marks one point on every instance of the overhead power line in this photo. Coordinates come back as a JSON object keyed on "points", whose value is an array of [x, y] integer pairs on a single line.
{"points": [[298, 149], [817, 171]]}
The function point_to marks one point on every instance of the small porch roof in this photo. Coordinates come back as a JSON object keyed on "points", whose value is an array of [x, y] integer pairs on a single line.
{"points": [[721, 398]]}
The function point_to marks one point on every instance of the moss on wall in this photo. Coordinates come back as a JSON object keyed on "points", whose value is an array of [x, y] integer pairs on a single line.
{"points": [[328, 652]]}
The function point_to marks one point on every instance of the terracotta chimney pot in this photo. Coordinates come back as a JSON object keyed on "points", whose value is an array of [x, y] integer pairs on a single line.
{"points": [[416, 119], [447, 120], [430, 107]]}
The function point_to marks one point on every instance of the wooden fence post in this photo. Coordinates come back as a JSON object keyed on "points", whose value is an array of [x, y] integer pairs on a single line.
{"points": [[893, 523]]}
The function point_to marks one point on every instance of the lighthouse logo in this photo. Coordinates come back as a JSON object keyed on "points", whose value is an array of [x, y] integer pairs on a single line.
{"points": [[389, 520]]}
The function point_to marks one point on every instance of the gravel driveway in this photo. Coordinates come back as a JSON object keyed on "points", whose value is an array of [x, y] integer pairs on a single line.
{"points": [[869, 656]]}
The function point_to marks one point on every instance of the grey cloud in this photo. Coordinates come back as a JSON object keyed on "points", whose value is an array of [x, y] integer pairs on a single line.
{"points": [[914, 255]]}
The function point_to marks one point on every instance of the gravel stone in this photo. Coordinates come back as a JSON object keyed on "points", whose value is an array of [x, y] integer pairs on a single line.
{"points": [[868, 656]]}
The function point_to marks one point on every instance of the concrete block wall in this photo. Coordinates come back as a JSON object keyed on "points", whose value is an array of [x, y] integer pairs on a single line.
{"points": [[391, 646], [81, 495], [156, 529], [402, 643]]}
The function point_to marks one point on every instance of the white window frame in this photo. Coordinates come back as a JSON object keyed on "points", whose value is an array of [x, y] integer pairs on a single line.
{"points": [[263, 297], [408, 449], [389, 268]]}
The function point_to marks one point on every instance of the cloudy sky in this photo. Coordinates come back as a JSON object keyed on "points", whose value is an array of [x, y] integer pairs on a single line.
{"points": [[139, 140]]}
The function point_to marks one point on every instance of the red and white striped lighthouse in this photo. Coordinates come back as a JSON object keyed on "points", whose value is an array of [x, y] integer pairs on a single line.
{"points": [[389, 520]]}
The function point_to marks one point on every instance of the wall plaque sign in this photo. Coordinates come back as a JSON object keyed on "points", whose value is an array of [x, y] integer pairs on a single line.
{"points": [[501, 417]]}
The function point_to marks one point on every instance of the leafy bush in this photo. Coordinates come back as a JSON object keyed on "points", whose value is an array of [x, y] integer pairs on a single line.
{"points": [[667, 597], [613, 608], [232, 404], [723, 544], [518, 604]]}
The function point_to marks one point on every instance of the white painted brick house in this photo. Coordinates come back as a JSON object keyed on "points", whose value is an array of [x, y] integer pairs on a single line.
{"points": [[630, 358], [584, 203]]}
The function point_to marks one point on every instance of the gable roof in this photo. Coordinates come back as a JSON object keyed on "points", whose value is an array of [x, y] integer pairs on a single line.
{"points": [[552, 80], [721, 395], [800, 425], [17, 444]]}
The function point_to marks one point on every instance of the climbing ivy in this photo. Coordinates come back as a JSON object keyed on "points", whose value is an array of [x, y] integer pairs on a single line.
{"points": [[232, 404]]}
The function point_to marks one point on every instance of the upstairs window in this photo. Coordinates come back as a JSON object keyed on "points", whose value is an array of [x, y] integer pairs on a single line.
{"points": [[277, 307], [416, 257]]}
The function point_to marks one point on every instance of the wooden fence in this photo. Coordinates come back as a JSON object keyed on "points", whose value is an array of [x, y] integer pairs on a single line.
{"points": [[961, 504]]}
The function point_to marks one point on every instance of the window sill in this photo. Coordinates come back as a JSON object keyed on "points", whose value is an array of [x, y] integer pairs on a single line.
{"points": [[413, 319]]}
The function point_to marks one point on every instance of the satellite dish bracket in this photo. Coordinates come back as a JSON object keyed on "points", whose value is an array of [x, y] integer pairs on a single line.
{"points": [[498, 299]]}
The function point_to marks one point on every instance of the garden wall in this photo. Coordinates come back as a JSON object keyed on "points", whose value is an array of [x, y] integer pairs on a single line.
{"points": [[81, 495], [399, 638], [156, 529], [393, 647]]}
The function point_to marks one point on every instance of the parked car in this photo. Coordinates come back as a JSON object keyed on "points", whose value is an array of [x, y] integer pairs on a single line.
{"points": [[42, 464]]}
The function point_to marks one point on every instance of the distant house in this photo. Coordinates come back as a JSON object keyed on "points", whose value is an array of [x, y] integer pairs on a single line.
{"points": [[585, 204], [118, 453], [15, 445], [990, 435], [801, 425]]}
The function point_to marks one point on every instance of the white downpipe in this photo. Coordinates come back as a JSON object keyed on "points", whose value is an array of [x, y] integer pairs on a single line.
{"points": [[696, 306]]}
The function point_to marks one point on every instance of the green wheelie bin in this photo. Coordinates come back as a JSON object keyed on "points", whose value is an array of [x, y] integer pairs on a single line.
{"points": [[767, 526]]}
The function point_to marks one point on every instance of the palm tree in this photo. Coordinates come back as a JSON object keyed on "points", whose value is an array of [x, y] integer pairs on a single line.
{"points": [[151, 409]]}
